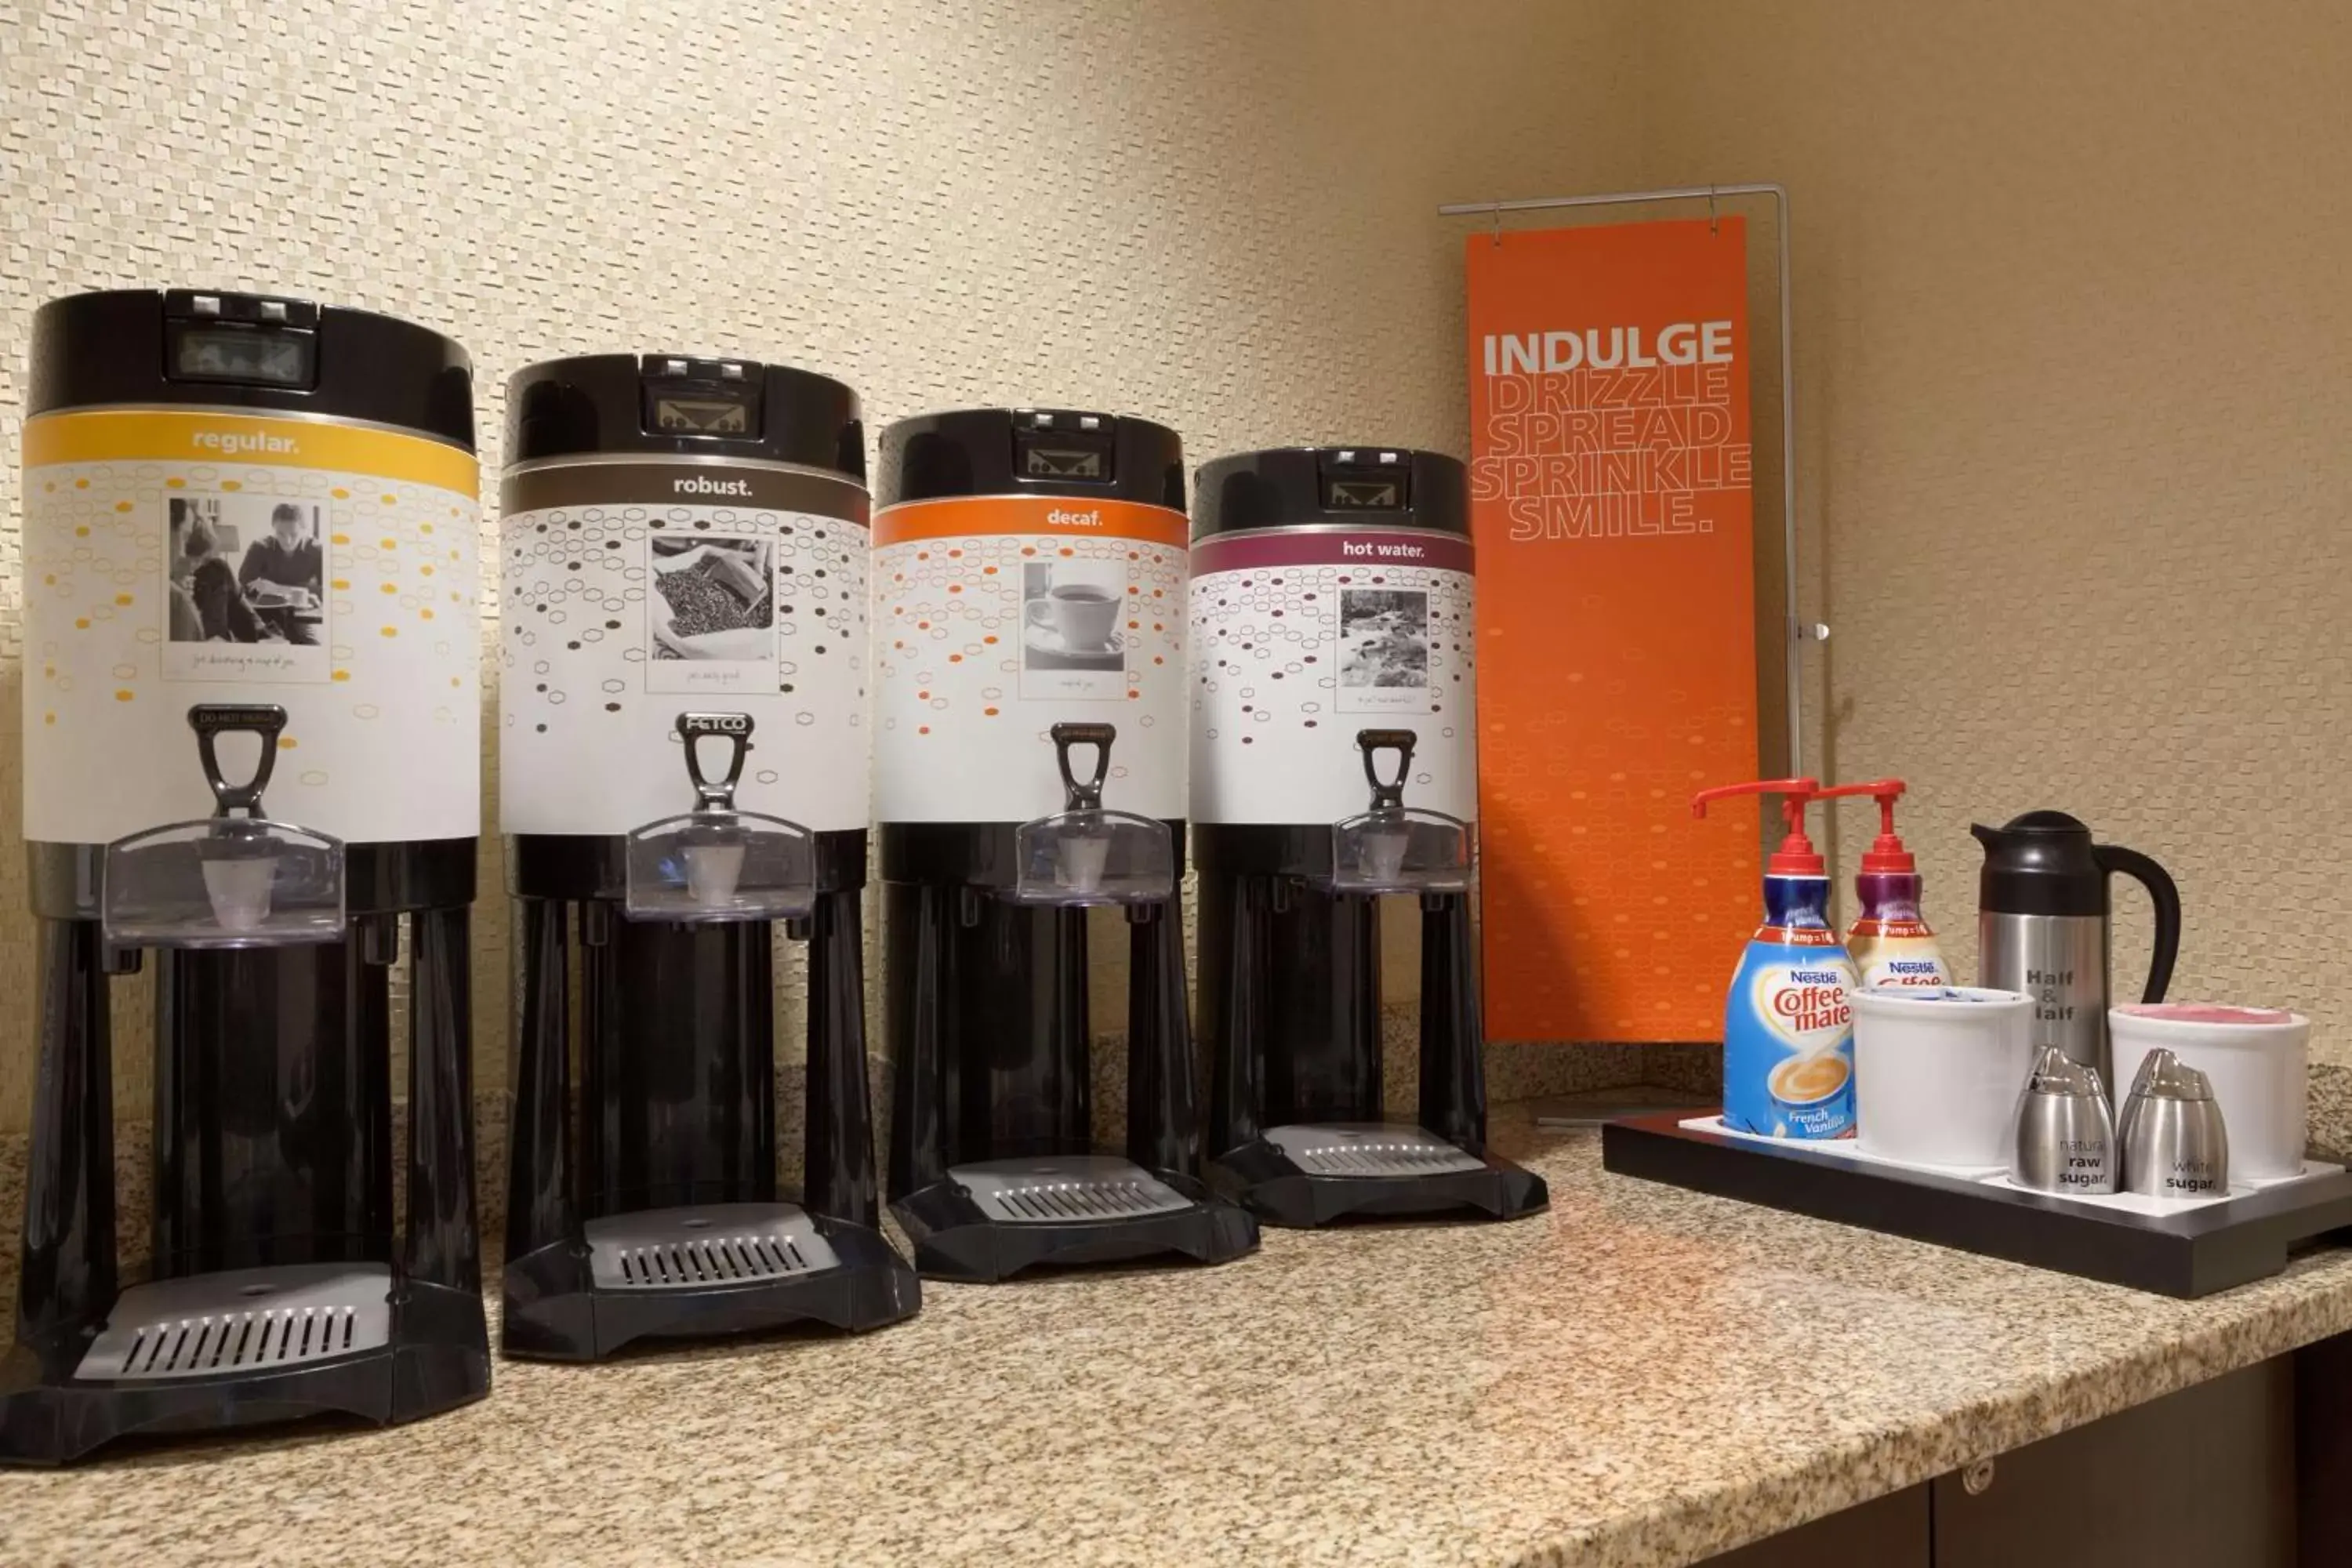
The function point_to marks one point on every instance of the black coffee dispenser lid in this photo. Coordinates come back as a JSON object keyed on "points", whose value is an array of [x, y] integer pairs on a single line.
{"points": [[2042, 863], [1077, 453], [271, 353], [684, 406], [1290, 487]]}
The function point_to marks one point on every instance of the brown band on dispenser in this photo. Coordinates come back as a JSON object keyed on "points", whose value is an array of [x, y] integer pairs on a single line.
{"points": [[683, 481]]}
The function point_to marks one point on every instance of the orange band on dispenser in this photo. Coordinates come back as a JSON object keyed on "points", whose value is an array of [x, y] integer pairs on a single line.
{"points": [[960, 517]]}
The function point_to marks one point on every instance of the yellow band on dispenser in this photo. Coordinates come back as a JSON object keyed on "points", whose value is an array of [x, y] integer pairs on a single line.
{"points": [[104, 436]]}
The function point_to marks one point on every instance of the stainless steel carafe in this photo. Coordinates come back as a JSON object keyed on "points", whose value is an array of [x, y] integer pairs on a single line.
{"points": [[2043, 927], [2065, 1134], [2174, 1145]]}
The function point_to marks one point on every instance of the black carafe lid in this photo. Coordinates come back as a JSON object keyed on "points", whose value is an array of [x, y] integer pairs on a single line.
{"points": [[681, 405], [2042, 863], [1365, 487], [1070, 453]]}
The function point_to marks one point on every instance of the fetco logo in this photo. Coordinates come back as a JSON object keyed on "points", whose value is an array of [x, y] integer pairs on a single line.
{"points": [[702, 487], [240, 441]]}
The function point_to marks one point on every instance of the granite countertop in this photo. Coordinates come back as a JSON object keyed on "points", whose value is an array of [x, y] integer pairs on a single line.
{"points": [[1642, 1376]]}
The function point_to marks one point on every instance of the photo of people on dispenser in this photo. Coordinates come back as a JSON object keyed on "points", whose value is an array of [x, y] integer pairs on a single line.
{"points": [[1070, 641], [244, 588], [1383, 649], [712, 613]]}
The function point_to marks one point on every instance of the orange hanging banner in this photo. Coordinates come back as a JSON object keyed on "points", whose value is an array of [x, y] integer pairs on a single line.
{"points": [[1609, 501]]}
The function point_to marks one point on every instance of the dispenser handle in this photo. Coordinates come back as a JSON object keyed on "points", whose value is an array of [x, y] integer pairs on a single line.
{"points": [[2114, 857], [1083, 794], [209, 720], [693, 729], [1386, 792]]}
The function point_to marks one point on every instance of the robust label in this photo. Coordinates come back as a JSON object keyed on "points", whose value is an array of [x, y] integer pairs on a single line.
{"points": [[1787, 1058], [1302, 638], [630, 598], [998, 617], [178, 558]]}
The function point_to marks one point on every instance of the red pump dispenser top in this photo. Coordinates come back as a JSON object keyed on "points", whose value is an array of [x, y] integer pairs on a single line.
{"points": [[1886, 856], [1796, 857]]}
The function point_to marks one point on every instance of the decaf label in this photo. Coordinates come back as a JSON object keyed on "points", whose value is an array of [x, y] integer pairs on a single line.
{"points": [[997, 617]]}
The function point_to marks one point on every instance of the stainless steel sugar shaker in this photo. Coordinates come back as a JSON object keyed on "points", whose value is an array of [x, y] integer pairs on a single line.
{"points": [[2174, 1145], [2065, 1134]]}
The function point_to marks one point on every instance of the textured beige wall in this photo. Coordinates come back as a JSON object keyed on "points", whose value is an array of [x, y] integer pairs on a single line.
{"points": [[1217, 214], [2074, 349]]}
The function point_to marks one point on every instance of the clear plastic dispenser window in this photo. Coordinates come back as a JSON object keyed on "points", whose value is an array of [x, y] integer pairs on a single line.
{"points": [[1333, 721], [1029, 753], [246, 797]]}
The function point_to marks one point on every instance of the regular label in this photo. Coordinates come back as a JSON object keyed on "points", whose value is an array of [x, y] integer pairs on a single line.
{"points": [[1301, 639], [621, 612], [998, 617], [174, 558]]}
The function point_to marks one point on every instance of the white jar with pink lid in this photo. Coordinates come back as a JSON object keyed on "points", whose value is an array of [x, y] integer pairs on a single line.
{"points": [[2258, 1061]]}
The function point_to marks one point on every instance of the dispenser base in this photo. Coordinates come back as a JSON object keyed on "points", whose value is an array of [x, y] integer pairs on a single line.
{"points": [[164, 1339], [701, 1272], [994, 1219], [1309, 1175]]}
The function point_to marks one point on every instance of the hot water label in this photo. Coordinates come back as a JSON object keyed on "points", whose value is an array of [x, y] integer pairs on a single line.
{"points": [[997, 617], [1790, 1075], [1302, 638], [635, 592], [174, 558]]}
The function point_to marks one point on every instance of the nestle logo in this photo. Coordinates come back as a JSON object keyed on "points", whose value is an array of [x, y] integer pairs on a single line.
{"points": [[699, 486]]}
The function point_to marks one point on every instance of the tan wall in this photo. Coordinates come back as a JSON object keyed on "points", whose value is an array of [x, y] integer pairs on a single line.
{"points": [[1215, 214], [2074, 348]]}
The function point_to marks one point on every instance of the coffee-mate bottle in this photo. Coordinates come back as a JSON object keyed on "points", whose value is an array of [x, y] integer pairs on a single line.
{"points": [[1787, 1031], [1889, 942]]}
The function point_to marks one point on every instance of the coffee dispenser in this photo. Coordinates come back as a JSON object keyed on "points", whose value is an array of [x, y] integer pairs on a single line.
{"points": [[683, 773], [1335, 766], [251, 765], [1029, 573], [2041, 928]]}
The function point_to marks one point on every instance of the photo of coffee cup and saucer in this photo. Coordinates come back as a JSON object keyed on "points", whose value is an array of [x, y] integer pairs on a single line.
{"points": [[1069, 616]]}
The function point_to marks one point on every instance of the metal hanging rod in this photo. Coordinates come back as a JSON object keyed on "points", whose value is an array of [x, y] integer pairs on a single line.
{"points": [[1798, 631]]}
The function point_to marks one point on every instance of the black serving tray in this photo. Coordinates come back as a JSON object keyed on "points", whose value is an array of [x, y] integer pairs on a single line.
{"points": [[2200, 1251]]}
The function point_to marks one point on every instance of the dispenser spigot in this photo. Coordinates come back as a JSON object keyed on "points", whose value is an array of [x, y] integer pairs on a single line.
{"points": [[1083, 794], [1084, 854], [235, 879], [719, 863]]}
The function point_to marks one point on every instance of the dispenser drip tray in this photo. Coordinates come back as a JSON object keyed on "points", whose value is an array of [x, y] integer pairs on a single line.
{"points": [[242, 1321], [1065, 1188], [1369, 1148], [704, 1246]]}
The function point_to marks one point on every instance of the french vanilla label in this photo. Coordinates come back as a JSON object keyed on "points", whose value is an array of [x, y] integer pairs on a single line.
{"points": [[1788, 1065], [996, 618], [631, 594], [1302, 638], [174, 558]]}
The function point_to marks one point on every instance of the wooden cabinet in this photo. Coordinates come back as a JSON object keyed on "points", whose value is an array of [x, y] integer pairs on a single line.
{"points": [[2236, 1471], [2202, 1477]]}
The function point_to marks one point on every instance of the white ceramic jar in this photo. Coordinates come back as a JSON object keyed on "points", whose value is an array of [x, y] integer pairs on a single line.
{"points": [[2258, 1061], [1937, 1072]]}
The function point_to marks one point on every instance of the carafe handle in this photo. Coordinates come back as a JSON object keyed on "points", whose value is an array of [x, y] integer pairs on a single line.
{"points": [[2114, 857]]}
